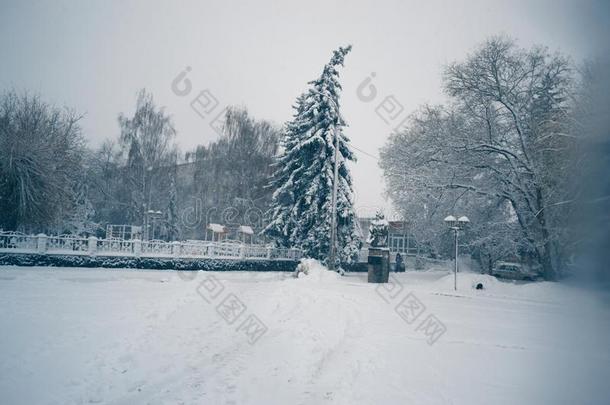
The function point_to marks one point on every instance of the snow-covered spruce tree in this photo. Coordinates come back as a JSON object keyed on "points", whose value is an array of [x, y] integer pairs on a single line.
{"points": [[281, 225], [301, 213]]}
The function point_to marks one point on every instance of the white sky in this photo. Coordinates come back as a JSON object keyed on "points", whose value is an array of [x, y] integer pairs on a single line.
{"points": [[93, 56]]}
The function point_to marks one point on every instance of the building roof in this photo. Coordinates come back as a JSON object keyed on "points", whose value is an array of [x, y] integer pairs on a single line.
{"points": [[246, 230], [217, 228]]}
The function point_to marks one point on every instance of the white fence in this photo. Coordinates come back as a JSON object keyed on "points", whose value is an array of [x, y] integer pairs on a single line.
{"points": [[14, 242]]}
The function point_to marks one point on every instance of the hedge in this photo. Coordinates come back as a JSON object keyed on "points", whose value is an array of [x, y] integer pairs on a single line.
{"points": [[147, 263]]}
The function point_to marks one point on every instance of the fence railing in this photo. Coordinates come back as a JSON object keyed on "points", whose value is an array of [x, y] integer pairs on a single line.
{"points": [[15, 242]]}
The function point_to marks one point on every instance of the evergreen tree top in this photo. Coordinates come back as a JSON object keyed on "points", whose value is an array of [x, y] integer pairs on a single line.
{"points": [[337, 59], [328, 82]]}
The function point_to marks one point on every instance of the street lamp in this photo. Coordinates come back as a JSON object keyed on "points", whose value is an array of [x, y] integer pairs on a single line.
{"points": [[151, 215], [456, 224]]}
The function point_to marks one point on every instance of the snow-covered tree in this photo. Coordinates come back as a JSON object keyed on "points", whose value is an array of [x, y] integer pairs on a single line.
{"points": [[301, 213], [500, 146], [281, 225], [41, 160], [81, 221], [148, 137]]}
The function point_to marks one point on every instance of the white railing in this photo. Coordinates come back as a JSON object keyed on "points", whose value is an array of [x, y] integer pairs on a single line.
{"points": [[67, 244], [113, 247], [17, 242], [14, 242], [191, 249], [156, 248]]}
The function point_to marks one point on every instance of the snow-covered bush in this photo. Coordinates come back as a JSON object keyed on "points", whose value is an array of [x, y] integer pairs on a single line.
{"points": [[147, 263], [313, 270]]}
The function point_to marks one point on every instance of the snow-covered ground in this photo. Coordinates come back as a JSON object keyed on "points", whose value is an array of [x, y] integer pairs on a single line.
{"points": [[72, 336]]}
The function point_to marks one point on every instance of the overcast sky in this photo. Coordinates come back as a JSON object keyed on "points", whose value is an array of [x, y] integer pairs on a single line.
{"points": [[93, 56]]}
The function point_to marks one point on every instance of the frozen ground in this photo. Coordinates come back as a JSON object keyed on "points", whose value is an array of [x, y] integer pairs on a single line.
{"points": [[79, 336]]}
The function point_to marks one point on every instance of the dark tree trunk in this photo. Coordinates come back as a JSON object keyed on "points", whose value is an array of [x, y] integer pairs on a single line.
{"points": [[546, 259]]}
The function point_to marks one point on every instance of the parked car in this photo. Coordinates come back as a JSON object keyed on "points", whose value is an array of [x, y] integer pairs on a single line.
{"points": [[514, 271]]}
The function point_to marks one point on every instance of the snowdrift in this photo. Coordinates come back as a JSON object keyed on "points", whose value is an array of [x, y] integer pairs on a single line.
{"points": [[314, 271]]}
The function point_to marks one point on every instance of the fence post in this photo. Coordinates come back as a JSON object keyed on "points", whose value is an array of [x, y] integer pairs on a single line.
{"points": [[176, 248], [41, 243], [137, 247], [242, 252], [92, 245], [268, 252]]}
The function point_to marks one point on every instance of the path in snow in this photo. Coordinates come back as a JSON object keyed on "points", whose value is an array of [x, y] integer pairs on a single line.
{"points": [[79, 336]]}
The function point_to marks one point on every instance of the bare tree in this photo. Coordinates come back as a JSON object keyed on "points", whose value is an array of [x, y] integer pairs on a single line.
{"points": [[231, 173], [106, 186], [520, 98], [41, 149], [147, 137], [505, 140]]}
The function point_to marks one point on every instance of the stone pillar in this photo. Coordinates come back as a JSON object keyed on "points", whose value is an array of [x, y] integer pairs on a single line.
{"points": [[92, 245], [137, 247], [41, 243], [378, 264], [176, 248]]}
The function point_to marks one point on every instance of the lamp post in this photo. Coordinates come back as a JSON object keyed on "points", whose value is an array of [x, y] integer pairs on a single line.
{"points": [[332, 254], [151, 215], [456, 224], [333, 226]]}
